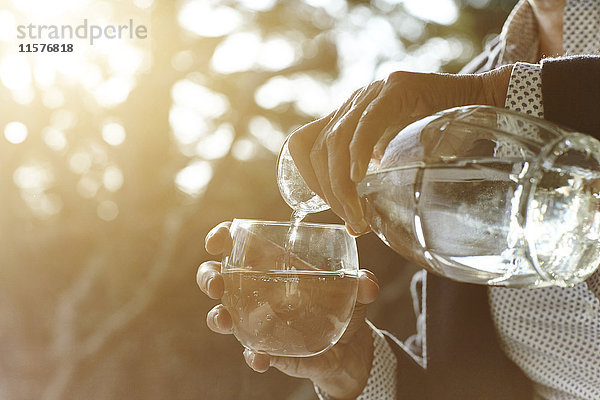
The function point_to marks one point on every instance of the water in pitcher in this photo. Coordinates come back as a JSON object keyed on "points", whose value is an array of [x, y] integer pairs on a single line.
{"points": [[481, 221], [285, 313]]}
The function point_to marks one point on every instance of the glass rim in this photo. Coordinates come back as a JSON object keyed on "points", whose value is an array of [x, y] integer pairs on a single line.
{"points": [[290, 223]]}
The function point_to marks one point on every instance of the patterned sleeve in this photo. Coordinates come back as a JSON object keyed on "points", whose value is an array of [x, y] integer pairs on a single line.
{"points": [[382, 381], [525, 90]]}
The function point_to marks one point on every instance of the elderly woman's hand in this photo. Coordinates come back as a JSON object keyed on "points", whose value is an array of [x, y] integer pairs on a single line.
{"points": [[341, 371], [333, 153]]}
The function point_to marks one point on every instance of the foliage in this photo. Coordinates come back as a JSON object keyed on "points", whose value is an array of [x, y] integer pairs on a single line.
{"points": [[106, 201]]}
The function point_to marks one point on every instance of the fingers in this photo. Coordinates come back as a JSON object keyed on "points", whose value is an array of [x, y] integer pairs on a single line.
{"points": [[330, 157], [343, 189], [369, 129], [354, 233], [321, 164], [259, 362], [218, 239], [219, 320], [368, 287], [300, 143], [299, 367], [209, 279]]}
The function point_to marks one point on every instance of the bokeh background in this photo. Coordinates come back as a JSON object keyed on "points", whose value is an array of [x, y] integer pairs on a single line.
{"points": [[117, 159]]}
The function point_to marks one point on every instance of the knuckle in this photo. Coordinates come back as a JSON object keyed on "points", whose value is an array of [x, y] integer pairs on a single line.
{"points": [[315, 157], [210, 320], [331, 141], [339, 189], [203, 282], [396, 77], [296, 142], [205, 273]]}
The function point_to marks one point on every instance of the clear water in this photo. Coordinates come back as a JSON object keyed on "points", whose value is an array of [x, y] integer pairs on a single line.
{"points": [[295, 219], [285, 313], [490, 222]]}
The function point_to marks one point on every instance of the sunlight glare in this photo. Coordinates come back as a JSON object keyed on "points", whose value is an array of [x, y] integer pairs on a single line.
{"points": [[113, 91], [443, 12], [274, 92], [238, 52], [125, 59], [266, 133], [113, 178], [183, 61], [63, 119], [107, 210], [193, 179], [53, 98], [8, 26], [245, 50], [80, 162], [91, 76], [206, 102], [408, 26], [33, 178], [243, 150], [276, 53], [143, 3], [434, 53], [205, 19], [45, 8], [87, 187], [44, 76], [43, 205], [310, 95], [15, 72], [113, 133], [335, 8], [188, 125], [258, 5], [54, 138], [478, 3], [15, 132], [23, 96], [217, 144]]}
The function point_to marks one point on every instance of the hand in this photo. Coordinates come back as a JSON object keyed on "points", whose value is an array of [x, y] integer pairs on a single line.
{"points": [[333, 153], [341, 371]]}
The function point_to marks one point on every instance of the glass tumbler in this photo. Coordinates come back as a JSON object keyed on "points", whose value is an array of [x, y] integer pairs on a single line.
{"points": [[290, 288]]}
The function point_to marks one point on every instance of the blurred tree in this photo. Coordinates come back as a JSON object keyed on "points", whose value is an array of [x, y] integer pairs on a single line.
{"points": [[124, 154]]}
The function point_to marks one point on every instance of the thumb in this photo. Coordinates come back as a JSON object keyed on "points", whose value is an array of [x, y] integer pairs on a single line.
{"points": [[368, 287]]}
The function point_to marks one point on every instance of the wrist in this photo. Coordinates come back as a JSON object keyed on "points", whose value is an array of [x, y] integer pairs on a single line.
{"points": [[493, 85], [354, 360]]}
